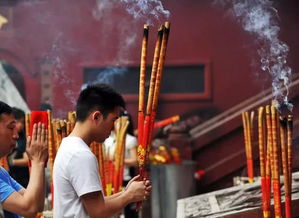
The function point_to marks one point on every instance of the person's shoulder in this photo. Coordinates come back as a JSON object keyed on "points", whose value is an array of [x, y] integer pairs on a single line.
{"points": [[81, 159], [3, 173], [73, 143]]}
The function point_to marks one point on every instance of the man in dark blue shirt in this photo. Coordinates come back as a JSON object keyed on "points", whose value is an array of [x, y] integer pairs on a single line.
{"points": [[16, 200]]}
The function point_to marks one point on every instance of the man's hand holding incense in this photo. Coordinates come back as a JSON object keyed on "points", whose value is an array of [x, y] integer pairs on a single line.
{"points": [[138, 190], [148, 187], [37, 144]]}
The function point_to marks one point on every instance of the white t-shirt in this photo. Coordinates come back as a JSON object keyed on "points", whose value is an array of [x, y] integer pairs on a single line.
{"points": [[131, 142], [75, 173]]}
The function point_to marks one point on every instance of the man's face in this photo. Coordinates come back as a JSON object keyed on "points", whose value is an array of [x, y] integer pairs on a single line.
{"points": [[107, 125], [8, 134]]}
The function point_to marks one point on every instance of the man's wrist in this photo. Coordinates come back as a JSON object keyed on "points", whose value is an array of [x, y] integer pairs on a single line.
{"points": [[128, 196], [37, 162]]}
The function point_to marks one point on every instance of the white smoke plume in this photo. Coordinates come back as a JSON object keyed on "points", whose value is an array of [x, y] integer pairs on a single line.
{"points": [[102, 7], [107, 76], [146, 9], [260, 18], [56, 57]]}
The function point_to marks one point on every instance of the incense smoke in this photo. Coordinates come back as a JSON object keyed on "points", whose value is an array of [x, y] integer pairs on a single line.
{"points": [[260, 17], [145, 9], [107, 76]]}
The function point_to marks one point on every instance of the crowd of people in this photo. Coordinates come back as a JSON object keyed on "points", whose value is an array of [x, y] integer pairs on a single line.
{"points": [[77, 184]]}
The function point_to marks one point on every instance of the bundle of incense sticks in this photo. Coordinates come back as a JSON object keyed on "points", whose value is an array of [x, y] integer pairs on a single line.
{"points": [[120, 128], [51, 148], [101, 161], [71, 121], [108, 170], [146, 119], [111, 160], [109, 174], [275, 134]]}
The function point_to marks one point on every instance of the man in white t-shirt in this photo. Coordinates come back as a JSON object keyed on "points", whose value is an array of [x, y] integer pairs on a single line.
{"points": [[77, 185]]}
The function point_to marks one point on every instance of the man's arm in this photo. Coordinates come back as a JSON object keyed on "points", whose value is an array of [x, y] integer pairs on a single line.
{"points": [[30, 201], [26, 202], [96, 206], [110, 197]]}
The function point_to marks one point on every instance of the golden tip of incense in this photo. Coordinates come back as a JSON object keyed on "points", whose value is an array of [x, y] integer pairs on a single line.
{"points": [[145, 26], [273, 109], [261, 111], [167, 24]]}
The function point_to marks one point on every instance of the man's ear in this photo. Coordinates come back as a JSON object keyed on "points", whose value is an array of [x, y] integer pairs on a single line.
{"points": [[97, 116]]}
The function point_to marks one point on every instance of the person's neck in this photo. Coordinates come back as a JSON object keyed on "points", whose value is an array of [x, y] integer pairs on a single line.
{"points": [[81, 130]]}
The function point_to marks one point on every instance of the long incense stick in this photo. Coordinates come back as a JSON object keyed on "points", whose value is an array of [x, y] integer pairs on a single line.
{"points": [[244, 119], [269, 161], [289, 157], [261, 137], [146, 125], [162, 56], [142, 83], [283, 143], [249, 137], [276, 176]]}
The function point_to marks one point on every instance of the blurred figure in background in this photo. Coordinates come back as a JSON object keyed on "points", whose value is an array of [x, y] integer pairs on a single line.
{"points": [[18, 159], [130, 160]]}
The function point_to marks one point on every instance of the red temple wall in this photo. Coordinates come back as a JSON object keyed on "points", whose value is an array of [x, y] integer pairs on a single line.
{"points": [[67, 37]]}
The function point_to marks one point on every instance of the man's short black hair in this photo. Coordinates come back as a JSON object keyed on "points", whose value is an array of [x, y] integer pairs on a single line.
{"points": [[5, 109], [98, 97], [18, 113]]}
